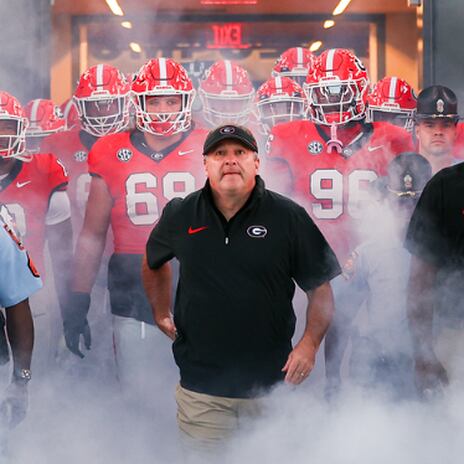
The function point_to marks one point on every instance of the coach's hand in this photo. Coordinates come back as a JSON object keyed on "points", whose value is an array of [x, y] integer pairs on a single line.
{"points": [[300, 361], [75, 322], [166, 325], [431, 377]]}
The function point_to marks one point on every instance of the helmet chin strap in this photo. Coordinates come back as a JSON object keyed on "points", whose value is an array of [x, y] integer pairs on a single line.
{"points": [[334, 143]]}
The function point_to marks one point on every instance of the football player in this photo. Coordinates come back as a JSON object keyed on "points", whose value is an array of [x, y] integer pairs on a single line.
{"points": [[459, 142], [134, 174], [294, 63], [33, 187], [45, 118], [100, 106], [279, 100], [376, 274], [226, 93], [392, 100], [328, 162]]}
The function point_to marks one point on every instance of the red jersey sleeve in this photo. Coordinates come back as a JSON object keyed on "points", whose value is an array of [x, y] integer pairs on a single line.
{"points": [[400, 139], [55, 171]]}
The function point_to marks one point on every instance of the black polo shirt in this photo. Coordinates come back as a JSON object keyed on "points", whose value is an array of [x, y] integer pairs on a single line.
{"points": [[233, 309], [436, 235]]}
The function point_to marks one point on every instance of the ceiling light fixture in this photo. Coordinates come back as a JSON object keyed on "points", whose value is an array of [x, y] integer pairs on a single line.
{"points": [[114, 7], [328, 23], [341, 7], [315, 46], [135, 47]]}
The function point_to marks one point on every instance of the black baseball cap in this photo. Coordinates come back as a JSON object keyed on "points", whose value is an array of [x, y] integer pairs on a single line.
{"points": [[230, 132], [437, 101]]}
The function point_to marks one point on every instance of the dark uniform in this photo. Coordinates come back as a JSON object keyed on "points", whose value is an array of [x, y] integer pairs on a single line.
{"points": [[233, 309], [436, 235]]}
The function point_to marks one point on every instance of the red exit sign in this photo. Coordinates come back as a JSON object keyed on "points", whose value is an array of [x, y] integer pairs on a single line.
{"points": [[227, 36]]}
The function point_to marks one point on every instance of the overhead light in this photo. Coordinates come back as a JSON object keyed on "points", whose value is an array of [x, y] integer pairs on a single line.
{"points": [[328, 23], [135, 47], [341, 7], [126, 24], [114, 7], [315, 46]]}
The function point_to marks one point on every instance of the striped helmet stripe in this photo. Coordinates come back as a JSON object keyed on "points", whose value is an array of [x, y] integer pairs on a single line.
{"points": [[99, 75], [329, 64], [278, 84], [299, 56], [163, 69], [392, 91], [34, 109], [229, 75]]}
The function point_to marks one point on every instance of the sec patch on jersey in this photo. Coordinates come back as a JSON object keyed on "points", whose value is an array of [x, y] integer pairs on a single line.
{"points": [[124, 155]]}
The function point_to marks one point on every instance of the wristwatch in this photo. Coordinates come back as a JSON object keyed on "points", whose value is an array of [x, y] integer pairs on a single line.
{"points": [[22, 376]]}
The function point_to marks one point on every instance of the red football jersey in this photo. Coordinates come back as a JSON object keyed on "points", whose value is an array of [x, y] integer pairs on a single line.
{"points": [[26, 191], [332, 186], [459, 143], [142, 181], [72, 148]]}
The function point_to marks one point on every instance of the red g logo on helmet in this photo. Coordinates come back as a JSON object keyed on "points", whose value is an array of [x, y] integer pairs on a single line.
{"points": [[163, 96], [337, 88]]}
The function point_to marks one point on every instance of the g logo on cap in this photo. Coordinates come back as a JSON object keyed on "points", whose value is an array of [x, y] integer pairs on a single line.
{"points": [[257, 231], [227, 130]]}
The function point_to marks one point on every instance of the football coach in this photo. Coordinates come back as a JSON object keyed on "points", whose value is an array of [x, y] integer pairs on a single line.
{"points": [[241, 249]]}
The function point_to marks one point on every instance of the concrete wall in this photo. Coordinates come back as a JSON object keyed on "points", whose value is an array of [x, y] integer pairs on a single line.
{"points": [[443, 45], [25, 48]]}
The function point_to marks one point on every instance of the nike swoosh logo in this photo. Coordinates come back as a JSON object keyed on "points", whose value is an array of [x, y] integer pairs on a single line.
{"points": [[377, 147], [198, 229], [185, 152], [22, 184]]}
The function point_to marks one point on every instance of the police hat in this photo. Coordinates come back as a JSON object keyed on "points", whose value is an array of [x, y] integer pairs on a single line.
{"points": [[407, 174], [437, 101], [230, 132]]}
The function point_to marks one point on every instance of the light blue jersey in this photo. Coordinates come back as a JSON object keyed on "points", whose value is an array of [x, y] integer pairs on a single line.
{"points": [[18, 278]]}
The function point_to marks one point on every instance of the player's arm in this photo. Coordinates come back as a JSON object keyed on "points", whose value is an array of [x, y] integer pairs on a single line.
{"points": [[87, 258], [319, 314], [92, 238], [60, 242], [20, 330], [158, 285], [430, 373], [156, 271]]}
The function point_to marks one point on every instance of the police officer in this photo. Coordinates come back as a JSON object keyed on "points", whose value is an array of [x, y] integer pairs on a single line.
{"points": [[240, 248], [18, 280], [376, 276], [436, 125], [436, 292]]}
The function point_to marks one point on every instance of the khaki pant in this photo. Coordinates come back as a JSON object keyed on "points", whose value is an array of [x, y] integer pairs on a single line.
{"points": [[206, 421], [449, 348]]}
